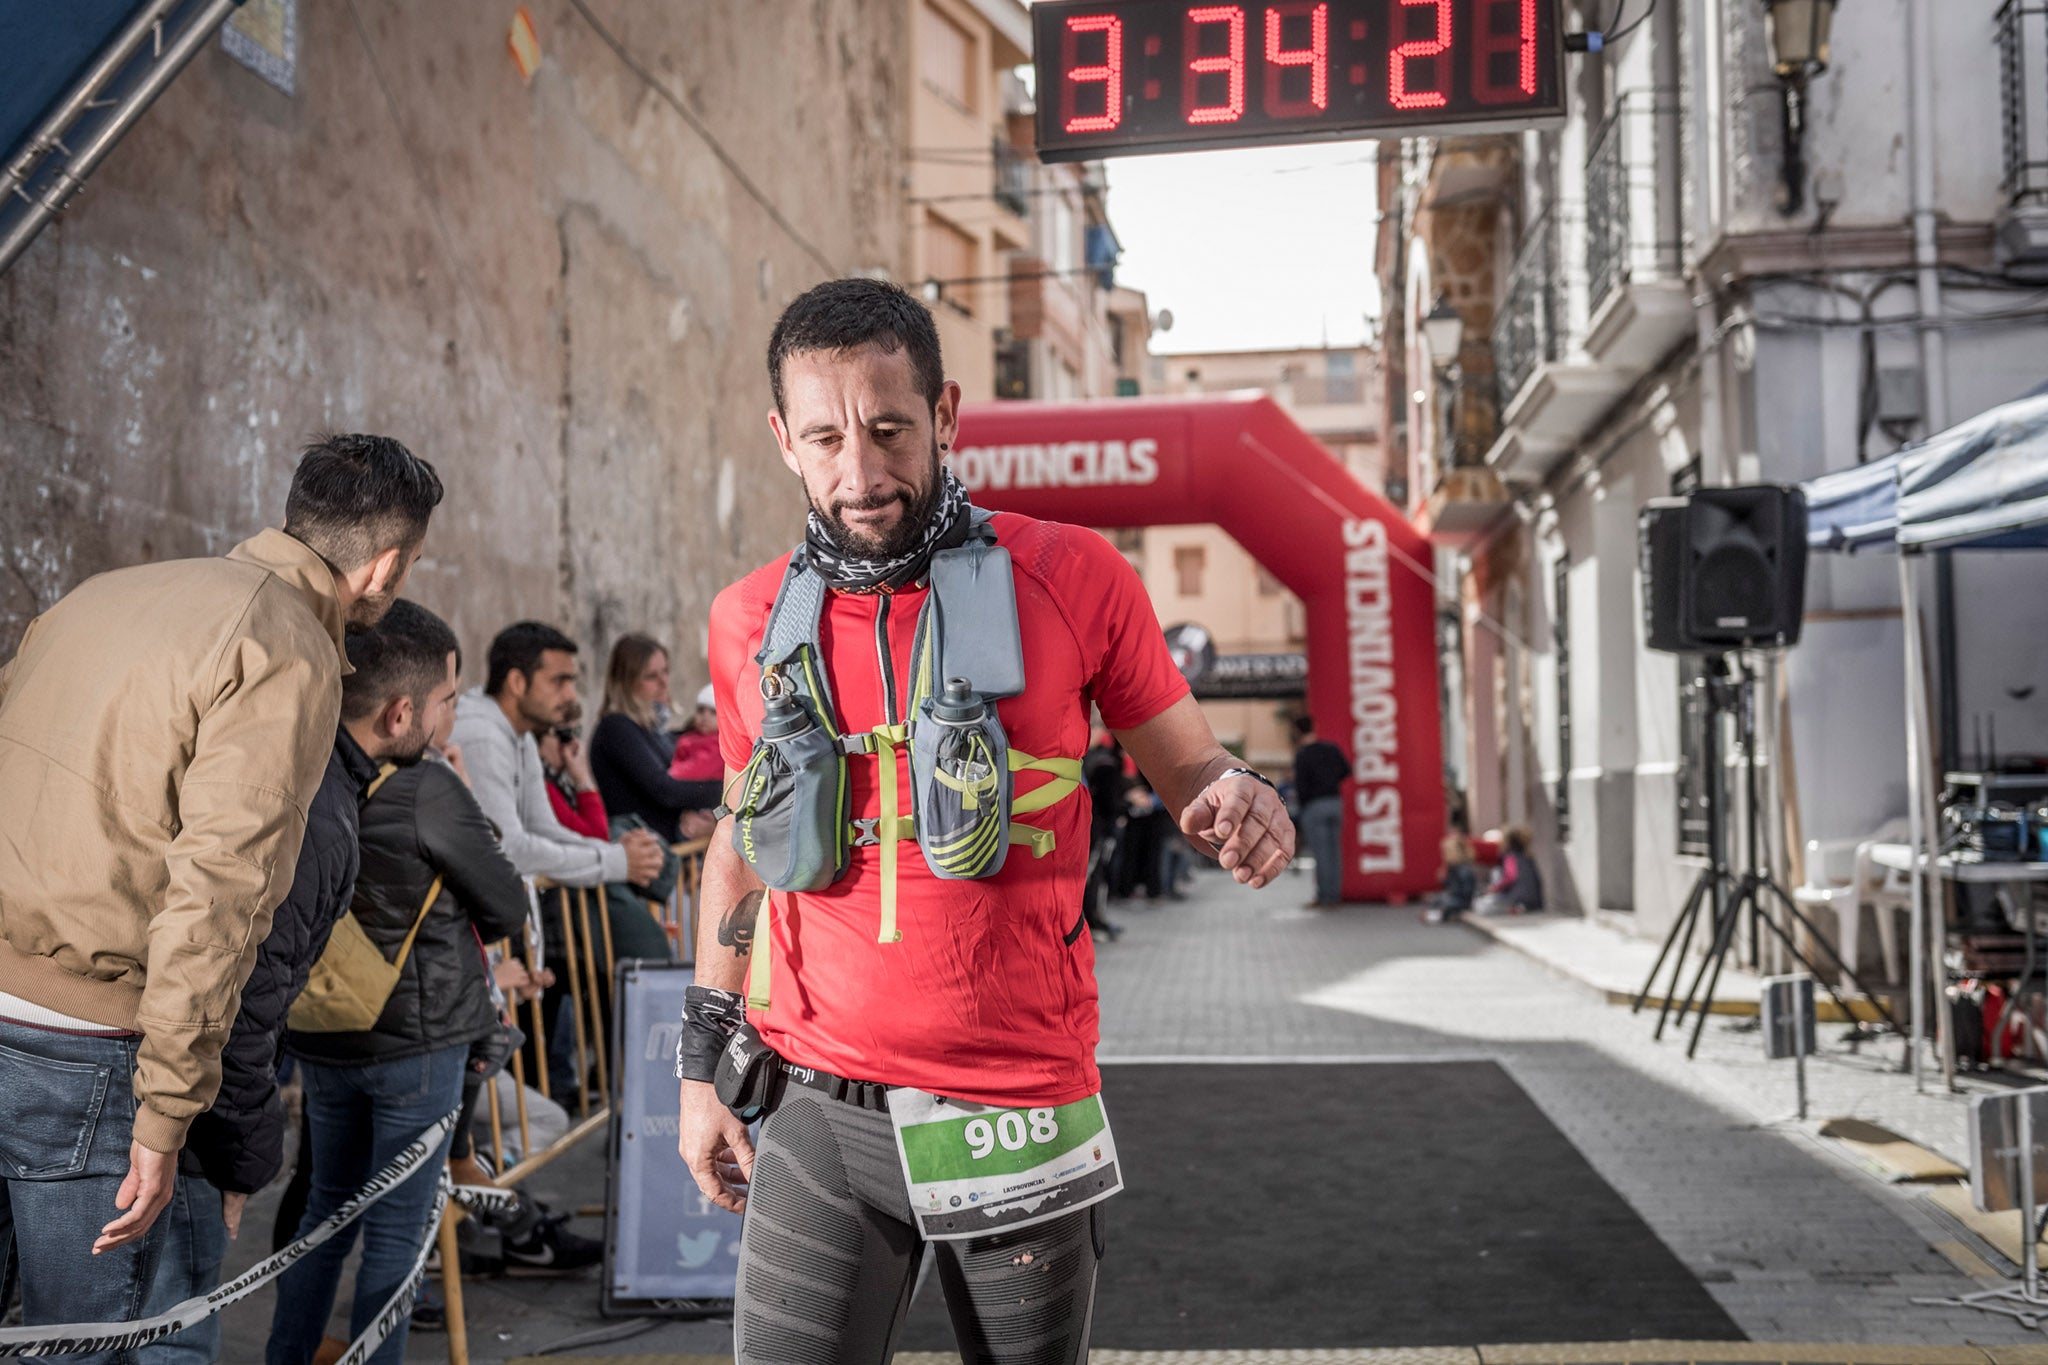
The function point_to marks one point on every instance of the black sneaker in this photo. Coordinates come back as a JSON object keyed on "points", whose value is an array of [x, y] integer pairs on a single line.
{"points": [[551, 1249]]}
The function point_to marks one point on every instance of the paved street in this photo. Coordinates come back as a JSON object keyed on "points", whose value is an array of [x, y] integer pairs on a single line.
{"points": [[1792, 1240], [1794, 1243]]}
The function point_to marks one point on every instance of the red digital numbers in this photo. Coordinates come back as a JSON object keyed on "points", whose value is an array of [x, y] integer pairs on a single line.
{"points": [[1229, 64], [1399, 93], [1151, 74], [1109, 75], [1489, 44], [1316, 57]]}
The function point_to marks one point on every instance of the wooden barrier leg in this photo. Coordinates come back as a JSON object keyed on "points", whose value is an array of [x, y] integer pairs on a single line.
{"points": [[451, 1287], [600, 1037], [540, 1036], [519, 1103], [611, 955], [497, 1128], [569, 964], [503, 949]]}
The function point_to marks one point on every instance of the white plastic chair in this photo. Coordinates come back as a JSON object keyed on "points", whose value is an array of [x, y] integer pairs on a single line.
{"points": [[1841, 875]]}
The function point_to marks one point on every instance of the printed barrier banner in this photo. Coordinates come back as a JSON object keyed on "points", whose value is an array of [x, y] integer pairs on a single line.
{"points": [[668, 1249]]}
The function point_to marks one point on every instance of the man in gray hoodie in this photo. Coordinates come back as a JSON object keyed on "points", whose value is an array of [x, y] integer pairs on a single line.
{"points": [[532, 686]]}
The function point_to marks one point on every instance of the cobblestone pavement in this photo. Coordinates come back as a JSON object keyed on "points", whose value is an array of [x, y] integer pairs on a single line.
{"points": [[1795, 1243]]}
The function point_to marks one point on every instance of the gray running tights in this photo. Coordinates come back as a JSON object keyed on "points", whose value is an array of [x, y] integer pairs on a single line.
{"points": [[830, 1254]]}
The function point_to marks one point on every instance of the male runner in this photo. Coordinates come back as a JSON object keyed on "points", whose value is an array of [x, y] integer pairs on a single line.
{"points": [[988, 996]]}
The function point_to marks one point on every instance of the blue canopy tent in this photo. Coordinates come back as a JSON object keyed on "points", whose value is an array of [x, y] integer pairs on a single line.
{"points": [[1981, 485]]}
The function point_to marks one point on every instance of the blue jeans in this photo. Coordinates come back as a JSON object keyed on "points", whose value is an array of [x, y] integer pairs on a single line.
{"points": [[70, 1116], [1322, 826], [357, 1119], [195, 1244]]}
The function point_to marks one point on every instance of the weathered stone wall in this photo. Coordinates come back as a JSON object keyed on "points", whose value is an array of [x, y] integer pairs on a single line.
{"points": [[554, 290]]}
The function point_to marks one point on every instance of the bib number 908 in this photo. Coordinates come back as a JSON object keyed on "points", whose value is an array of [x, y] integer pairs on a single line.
{"points": [[1011, 1130]]}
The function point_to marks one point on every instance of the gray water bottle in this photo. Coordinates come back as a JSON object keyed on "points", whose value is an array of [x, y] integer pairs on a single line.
{"points": [[961, 707], [782, 719]]}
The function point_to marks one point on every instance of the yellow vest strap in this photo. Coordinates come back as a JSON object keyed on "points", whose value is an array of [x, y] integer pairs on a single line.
{"points": [[1066, 781], [891, 828], [1039, 840], [757, 971]]}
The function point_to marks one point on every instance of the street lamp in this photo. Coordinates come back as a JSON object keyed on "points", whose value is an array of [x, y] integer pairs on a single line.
{"points": [[1799, 34], [1443, 331], [1799, 49]]}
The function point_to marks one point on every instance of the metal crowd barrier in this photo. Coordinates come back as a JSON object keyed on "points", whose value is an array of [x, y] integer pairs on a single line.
{"points": [[588, 963]]}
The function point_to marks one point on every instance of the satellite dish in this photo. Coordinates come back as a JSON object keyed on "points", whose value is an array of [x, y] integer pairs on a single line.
{"points": [[1162, 321]]}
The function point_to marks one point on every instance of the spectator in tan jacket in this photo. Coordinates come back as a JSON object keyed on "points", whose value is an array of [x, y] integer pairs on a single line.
{"points": [[162, 731]]}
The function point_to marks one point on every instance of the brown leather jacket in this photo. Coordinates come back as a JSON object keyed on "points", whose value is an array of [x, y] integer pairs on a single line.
{"points": [[162, 731]]}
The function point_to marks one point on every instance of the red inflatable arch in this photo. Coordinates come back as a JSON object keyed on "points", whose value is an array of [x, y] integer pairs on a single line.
{"points": [[1239, 461]]}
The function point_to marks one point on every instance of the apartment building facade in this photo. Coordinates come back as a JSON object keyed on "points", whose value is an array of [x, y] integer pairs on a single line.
{"points": [[1684, 286]]}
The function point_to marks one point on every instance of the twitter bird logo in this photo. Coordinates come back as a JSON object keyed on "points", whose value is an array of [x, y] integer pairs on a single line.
{"points": [[692, 1252]]}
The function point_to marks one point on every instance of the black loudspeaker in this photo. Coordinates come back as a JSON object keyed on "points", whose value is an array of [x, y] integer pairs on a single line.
{"points": [[1724, 568]]}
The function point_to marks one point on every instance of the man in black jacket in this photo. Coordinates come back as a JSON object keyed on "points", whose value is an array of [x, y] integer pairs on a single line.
{"points": [[433, 882], [237, 1147]]}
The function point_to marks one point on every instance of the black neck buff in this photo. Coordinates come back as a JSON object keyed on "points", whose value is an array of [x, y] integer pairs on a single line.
{"points": [[945, 529]]}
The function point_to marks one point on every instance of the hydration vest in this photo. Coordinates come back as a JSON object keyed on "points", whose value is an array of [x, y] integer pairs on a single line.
{"points": [[790, 807]]}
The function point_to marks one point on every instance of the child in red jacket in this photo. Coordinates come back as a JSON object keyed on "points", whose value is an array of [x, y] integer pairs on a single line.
{"points": [[696, 758]]}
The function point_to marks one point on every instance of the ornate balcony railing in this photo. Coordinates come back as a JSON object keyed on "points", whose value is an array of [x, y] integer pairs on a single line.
{"points": [[1606, 211], [1526, 333], [2023, 75], [1625, 234]]}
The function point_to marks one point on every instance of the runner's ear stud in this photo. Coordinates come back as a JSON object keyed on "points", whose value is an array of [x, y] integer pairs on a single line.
{"points": [[944, 446]]}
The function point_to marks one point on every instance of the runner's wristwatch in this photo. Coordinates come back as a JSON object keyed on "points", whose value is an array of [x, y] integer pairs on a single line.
{"points": [[1252, 773]]}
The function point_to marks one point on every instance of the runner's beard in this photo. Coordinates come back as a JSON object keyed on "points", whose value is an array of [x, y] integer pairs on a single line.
{"points": [[909, 528]]}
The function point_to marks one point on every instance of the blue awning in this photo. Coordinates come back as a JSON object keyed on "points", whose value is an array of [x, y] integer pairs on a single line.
{"points": [[1982, 484], [1854, 508]]}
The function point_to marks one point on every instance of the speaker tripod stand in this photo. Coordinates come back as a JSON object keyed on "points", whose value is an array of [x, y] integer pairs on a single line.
{"points": [[1736, 899]]}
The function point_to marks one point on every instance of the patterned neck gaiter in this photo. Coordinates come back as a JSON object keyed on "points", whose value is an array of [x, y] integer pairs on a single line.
{"points": [[947, 528]]}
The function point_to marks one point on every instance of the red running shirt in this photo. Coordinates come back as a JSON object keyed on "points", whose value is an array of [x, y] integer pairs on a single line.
{"points": [[984, 998]]}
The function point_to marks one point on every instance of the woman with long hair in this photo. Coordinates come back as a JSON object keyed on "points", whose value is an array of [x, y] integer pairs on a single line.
{"points": [[630, 751]]}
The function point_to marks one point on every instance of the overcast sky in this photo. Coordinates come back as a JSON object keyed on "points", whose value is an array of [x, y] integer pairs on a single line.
{"points": [[1250, 250]]}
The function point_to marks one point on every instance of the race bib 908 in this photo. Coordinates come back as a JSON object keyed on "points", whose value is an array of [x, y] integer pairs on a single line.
{"points": [[973, 1169]]}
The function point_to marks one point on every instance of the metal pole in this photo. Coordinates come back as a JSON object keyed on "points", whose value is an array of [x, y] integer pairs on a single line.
{"points": [[1920, 45], [2030, 1257], [1920, 968], [47, 206], [1804, 999], [112, 58]]}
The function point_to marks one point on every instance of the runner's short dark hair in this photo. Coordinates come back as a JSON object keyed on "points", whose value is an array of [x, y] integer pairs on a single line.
{"points": [[519, 646], [355, 496], [841, 315], [403, 655]]}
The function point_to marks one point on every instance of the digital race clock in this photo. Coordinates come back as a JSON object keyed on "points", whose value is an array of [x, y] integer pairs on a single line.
{"points": [[1122, 76]]}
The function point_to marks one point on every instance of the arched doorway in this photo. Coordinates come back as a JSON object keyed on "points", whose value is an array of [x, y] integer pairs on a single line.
{"points": [[1240, 461]]}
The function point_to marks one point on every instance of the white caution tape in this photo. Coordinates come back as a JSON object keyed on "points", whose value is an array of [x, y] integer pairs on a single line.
{"points": [[66, 1338], [398, 1307], [485, 1201]]}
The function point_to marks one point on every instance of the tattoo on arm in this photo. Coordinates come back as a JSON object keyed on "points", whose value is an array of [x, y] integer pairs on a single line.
{"points": [[736, 930]]}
